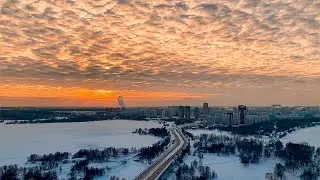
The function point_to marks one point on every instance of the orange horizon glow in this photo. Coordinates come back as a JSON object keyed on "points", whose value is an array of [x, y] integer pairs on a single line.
{"points": [[89, 97]]}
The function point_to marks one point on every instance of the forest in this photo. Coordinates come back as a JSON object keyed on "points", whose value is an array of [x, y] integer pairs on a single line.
{"points": [[197, 171], [150, 152], [96, 155], [81, 169], [13, 172], [159, 132]]}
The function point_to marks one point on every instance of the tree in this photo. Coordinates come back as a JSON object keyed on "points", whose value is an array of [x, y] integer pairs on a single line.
{"points": [[279, 171], [194, 163], [9, 172], [214, 174], [279, 145], [308, 175]]}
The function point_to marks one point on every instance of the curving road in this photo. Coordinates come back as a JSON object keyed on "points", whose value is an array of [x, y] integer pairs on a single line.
{"points": [[157, 168]]}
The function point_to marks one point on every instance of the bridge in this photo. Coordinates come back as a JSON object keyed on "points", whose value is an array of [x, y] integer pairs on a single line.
{"points": [[159, 166]]}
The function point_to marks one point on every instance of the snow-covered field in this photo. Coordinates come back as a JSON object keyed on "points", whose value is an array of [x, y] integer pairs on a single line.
{"points": [[18, 141], [230, 168], [309, 135]]}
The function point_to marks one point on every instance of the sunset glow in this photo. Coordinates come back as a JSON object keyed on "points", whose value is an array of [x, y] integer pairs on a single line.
{"points": [[158, 52]]}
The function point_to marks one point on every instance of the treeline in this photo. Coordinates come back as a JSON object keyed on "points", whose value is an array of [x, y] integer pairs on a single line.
{"points": [[12, 172], [72, 118], [36, 173], [44, 113], [268, 127], [128, 117], [183, 121], [195, 172], [184, 152], [190, 135], [81, 168], [160, 132], [49, 161], [57, 157], [154, 150], [48, 115], [98, 116], [27, 114], [91, 155], [97, 155]]}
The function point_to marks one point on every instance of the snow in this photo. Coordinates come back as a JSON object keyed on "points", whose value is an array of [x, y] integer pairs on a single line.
{"points": [[309, 135], [127, 170], [18, 141], [230, 168]]}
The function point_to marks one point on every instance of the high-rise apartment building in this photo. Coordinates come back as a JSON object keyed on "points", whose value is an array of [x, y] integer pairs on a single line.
{"points": [[187, 114], [205, 109], [242, 109]]}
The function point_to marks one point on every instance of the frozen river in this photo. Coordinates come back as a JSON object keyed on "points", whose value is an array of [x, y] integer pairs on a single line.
{"points": [[18, 141]]}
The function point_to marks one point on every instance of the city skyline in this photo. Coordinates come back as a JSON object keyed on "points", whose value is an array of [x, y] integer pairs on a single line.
{"points": [[159, 53]]}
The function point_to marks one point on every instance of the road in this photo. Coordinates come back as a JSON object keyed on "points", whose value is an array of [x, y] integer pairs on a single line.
{"points": [[157, 168]]}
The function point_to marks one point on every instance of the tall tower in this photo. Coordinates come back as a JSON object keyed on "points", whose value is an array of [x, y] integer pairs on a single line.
{"points": [[187, 110], [206, 109], [230, 118], [196, 113], [242, 109], [181, 112]]}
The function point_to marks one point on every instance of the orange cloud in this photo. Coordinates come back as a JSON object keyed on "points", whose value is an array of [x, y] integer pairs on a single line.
{"points": [[176, 49]]}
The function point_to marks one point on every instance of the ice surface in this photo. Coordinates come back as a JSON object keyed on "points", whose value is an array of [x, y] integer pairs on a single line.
{"points": [[18, 141]]}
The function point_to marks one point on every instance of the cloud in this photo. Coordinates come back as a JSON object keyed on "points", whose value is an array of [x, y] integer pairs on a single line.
{"points": [[179, 45]]}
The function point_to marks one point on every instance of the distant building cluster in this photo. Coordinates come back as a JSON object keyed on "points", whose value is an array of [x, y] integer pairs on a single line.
{"points": [[240, 115], [231, 116]]}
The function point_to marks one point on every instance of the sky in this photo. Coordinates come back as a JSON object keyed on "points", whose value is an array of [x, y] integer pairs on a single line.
{"points": [[159, 52]]}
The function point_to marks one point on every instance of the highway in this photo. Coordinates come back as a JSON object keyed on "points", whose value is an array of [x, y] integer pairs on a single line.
{"points": [[157, 168]]}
